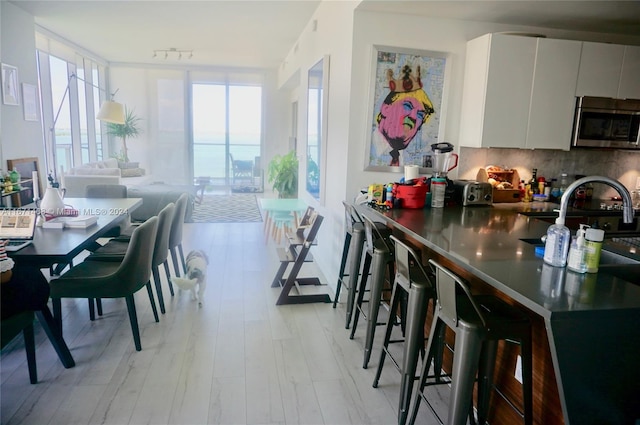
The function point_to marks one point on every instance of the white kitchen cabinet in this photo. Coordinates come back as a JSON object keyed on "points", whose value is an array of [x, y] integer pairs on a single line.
{"points": [[519, 92], [552, 95], [629, 87], [497, 91], [600, 69]]}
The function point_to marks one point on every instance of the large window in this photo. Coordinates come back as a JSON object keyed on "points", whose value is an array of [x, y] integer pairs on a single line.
{"points": [[227, 125], [70, 100]]}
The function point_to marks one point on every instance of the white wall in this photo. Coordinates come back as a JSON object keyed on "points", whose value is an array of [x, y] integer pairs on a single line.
{"points": [[19, 138], [333, 37], [276, 122], [1, 38]]}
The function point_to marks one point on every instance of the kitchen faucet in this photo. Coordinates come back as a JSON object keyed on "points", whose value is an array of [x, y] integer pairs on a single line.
{"points": [[627, 204]]}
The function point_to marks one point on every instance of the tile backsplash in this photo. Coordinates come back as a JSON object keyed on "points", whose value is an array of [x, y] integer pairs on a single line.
{"points": [[623, 166]]}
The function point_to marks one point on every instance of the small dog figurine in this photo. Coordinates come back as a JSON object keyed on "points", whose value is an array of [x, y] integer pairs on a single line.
{"points": [[197, 262]]}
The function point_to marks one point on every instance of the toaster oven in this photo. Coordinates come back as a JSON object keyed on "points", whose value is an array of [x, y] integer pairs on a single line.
{"points": [[470, 192]]}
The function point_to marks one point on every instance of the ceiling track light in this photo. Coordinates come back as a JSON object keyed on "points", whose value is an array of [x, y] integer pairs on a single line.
{"points": [[173, 53]]}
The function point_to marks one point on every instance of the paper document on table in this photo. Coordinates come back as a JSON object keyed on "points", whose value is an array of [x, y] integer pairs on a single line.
{"points": [[78, 222]]}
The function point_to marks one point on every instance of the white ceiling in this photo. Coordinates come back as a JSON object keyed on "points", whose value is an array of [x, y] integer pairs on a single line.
{"points": [[260, 33]]}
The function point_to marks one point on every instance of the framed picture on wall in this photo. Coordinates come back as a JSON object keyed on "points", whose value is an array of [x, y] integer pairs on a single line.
{"points": [[10, 94], [29, 102], [406, 108]]}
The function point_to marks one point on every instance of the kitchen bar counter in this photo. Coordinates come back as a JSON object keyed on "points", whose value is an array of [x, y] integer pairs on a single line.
{"points": [[592, 321]]}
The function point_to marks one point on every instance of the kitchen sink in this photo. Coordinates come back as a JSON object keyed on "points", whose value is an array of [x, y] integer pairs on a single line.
{"points": [[533, 241], [620, 266], [612, 258]]}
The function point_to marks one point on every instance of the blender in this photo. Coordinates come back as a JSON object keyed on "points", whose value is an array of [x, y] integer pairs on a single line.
{"points": [[444, 160]]}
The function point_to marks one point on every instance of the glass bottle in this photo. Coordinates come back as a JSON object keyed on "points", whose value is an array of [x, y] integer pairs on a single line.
{"points": [[555, 190], [589, 194], [14, 175], [534, 180]]}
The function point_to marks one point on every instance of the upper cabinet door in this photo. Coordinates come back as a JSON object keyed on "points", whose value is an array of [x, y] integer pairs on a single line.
{"points": [[552, 95], [509, 81], [630, 77], [497, 91], [600, 67]]}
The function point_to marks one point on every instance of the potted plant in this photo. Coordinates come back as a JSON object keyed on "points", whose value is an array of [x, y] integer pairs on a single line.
{"points": [[282, 172], [130, 129]]}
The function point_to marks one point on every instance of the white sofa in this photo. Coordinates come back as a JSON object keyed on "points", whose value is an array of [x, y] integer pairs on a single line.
{"points": [[76, 179]]}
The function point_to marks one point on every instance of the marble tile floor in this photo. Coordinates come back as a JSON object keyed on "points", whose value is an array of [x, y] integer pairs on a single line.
{"points": [[239, 359]]}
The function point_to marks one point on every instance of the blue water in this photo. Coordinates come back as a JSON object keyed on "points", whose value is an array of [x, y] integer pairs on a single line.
{"points": [[209, 159]]}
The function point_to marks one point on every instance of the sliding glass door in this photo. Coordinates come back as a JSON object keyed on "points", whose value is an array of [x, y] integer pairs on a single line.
{"points": [[227, 132], [70, 100]]}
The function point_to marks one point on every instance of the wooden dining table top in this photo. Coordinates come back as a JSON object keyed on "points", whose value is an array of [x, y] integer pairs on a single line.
{"points": [[51, 246]]}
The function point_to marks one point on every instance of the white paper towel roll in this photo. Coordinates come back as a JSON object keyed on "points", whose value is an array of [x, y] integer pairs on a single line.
{"points": [[411, 172]]}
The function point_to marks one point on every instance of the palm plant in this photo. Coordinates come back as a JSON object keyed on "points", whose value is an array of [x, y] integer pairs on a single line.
{"points": [[283, 173], [130, 129]]}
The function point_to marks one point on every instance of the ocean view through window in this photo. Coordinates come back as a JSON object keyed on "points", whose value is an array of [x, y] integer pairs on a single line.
{"points": [[227, 122]]}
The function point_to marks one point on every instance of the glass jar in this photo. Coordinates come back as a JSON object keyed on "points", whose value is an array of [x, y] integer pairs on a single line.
{"points": [[564, 183], [635, 199]]}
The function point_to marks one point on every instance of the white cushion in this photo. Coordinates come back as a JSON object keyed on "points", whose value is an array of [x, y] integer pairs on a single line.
{"points": [[107, 167], [110, 163], [76, 185], [81, 171]]}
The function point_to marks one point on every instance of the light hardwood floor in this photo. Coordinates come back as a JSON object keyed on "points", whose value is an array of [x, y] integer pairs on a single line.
{"points": [[239, 359]]}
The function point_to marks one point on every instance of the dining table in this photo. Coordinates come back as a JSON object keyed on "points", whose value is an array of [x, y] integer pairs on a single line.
{"points": [[56, 248]]}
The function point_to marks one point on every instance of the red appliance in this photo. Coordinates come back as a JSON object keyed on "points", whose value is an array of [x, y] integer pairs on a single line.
{"points": [[411, 196]]}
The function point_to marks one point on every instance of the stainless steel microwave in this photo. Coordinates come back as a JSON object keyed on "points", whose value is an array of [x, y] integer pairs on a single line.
{"points": [[602, 122]]}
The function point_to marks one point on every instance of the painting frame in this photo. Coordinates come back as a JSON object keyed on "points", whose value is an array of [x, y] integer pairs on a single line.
{"points": [[10, 90], [30, 102], [435, 68]]}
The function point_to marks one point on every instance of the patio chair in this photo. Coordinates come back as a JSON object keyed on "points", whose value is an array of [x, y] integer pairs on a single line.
{"points": [[241, 169]]}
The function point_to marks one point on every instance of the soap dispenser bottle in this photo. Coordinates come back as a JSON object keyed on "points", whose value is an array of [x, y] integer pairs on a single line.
{"points": [[593, 247], [577, 252], [557, 243]]}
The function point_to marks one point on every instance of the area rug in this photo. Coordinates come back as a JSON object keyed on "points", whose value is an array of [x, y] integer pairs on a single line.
{"points": [[236, 208]]}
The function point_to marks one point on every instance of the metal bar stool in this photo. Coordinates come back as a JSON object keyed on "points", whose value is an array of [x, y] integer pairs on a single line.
{"points": [[379, 256], [412, 280], [479, 322], [353, 247], [353, 244]]}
